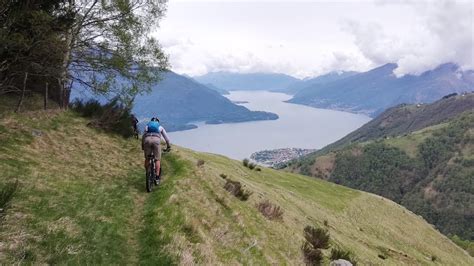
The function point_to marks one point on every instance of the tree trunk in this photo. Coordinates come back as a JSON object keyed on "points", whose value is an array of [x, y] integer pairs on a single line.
{"points": [[20, 102], [46, 96], [65, 65]]}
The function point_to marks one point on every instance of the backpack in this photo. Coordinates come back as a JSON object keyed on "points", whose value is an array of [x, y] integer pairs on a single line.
{"points": [[153, 126]]}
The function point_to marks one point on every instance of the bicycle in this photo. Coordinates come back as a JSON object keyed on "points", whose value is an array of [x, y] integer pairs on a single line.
{"points": [[151, 178]]}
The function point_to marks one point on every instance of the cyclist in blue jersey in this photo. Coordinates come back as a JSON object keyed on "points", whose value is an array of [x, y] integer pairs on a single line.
{"points": [[151, 142]]}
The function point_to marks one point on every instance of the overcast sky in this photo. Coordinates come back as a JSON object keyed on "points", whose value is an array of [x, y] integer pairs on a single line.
{"points": [[309, 38]]}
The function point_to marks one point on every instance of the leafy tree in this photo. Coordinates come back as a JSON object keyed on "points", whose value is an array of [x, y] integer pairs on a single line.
{"points": [[31, 46], [110, 47], [106, 46]]}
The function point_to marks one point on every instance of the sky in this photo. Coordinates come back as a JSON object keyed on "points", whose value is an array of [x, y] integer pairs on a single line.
{"points": [[310, 38]]}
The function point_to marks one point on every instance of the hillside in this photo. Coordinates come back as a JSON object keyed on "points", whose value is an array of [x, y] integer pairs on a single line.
{"points": [[403, 119], [427, 166], [179, 101], [357, 93], [247, 81], [82, 201]]}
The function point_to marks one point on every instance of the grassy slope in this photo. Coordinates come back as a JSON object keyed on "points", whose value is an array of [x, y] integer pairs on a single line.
{"points": [[82, 200]]}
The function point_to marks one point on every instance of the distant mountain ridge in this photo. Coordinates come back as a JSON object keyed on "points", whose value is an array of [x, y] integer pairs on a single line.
{"points": [[322, 79], [179, 101], [373, 91], [247, 81]]}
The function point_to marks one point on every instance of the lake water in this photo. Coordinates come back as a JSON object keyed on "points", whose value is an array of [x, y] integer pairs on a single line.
{"points": [[298, 127]]}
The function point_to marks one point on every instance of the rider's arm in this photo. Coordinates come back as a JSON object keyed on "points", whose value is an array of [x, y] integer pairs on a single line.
{"points": [[165, 136], [143, 137]]}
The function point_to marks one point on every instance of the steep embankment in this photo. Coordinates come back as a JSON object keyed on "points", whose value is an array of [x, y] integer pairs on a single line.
{"points": [[429, 171], [82, 201]]}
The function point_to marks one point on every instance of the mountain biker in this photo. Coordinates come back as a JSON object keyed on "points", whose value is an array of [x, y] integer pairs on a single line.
{"points": [[151, 142], [134, 122]]}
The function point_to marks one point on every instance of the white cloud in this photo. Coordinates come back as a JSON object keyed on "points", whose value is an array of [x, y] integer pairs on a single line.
{"points": [[444, 33], [306, 39]]}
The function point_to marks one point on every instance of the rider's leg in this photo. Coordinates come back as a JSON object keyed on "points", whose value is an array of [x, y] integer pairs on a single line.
{"points": [[157, 152], [158, 168]]}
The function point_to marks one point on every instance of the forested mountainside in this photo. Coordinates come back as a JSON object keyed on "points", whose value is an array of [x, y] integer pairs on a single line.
{"points": [[423, 160]]}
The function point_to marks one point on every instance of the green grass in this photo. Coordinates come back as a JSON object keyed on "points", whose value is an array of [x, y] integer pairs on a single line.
{"points": [[410, 142], [83, 201]]}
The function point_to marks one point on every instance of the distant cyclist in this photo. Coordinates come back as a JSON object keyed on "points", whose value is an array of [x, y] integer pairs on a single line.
{"points": [[134, 121], [151, 142]]}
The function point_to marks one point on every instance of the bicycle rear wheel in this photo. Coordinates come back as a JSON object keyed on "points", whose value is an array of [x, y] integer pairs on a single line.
{"points": [[150, 176]]}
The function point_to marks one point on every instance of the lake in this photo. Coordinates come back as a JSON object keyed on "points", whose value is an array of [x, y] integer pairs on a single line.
{"points": [[298, 127]]}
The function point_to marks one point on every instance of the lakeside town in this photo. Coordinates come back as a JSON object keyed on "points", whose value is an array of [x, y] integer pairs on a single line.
{"points": [[273, 158]]}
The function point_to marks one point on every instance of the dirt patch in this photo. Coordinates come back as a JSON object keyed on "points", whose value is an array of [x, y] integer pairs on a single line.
{"points": [[324, 165]]}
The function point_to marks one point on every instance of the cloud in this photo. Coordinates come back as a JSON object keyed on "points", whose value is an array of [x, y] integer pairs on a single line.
{"points": [[445, 34], [309, 39]]}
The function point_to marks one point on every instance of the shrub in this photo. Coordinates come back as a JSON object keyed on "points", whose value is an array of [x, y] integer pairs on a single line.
{"points": [[251, 166], [258, 169], [270, 211], [200, 162], [91, 108], [337, 253], [312, 256], [317, 237], [235, 188], [245, 162], [223, 176], [113, 117], [326, 223]]}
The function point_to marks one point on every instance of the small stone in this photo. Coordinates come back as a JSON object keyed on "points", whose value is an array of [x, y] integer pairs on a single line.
{"points": [[340, 262], [36, 133]]}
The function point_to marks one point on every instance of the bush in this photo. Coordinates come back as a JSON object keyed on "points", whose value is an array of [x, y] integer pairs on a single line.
{"points": [[235, 188], [200, 162], [270, 211], [223, 176], [91, 108], [112, 117], [245, 162], [251, 166], [337, 253], [258, 169], [311, 255], [317, 237]]}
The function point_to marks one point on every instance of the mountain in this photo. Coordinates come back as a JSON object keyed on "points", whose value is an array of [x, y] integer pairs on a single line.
{"points": [[82, 201], [323, 79], [373, 91], [404, 118], [219, 90], [178, 101], [247, 81], [418, 156]]}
